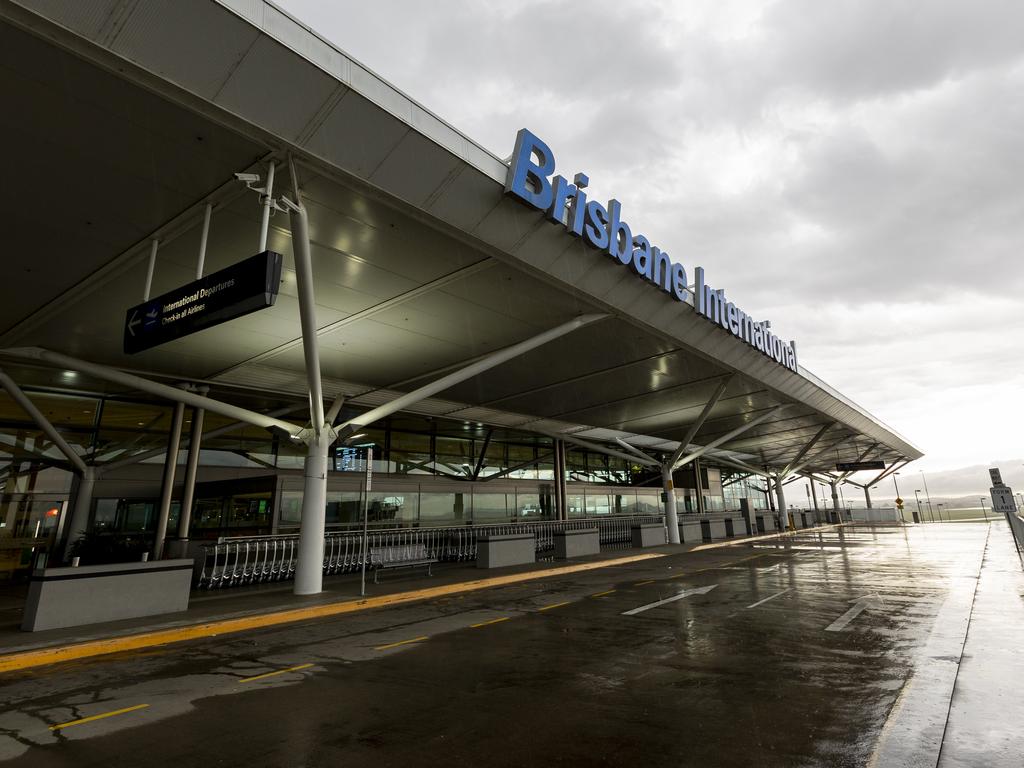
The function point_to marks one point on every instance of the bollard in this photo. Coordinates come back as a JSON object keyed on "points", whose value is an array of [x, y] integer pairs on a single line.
{"points": [[74, 562], [145, 557]]}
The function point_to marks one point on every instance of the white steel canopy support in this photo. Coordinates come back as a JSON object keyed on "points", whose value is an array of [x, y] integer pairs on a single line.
{"points": [[471, 370], [42, 422], [203, 239], [307, 303], [598, 448], [863, 456], [641, 456], [695, 427], [309, 570], [153, 247], [174, 394], [795, 463], [728, 436], [87, 475], [780, 497], [671, 517], [167, 488]]}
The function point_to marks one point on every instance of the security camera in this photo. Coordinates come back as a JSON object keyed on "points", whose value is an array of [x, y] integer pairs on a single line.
{"points": [[248, 178], [287, 205]]}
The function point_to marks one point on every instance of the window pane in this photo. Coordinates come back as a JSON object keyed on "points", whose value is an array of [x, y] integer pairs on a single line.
{"points": [[392, 507], [490, 507], [528, 506], [444, 508]]}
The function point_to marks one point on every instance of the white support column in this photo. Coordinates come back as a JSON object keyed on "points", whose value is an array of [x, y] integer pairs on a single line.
{"points": [[79, 522], [867, 497], [203, 238], [671, 519], [268, 202], [780, 497], [814, 495], [309, 570], [191, 470], [167, 489], [699, 500], [148, 287], [835, 501]]}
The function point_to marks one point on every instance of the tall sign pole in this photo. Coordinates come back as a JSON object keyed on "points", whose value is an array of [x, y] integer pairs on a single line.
{"points": [[366, 519]]}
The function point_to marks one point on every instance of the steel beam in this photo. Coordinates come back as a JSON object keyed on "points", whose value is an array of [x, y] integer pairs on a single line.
{"points": [[795, 463], [695, 427], [567, 437], [727, 437], [174, 394], [42, 422], [474, 369]]}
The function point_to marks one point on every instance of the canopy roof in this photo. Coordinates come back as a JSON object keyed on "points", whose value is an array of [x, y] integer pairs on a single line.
{"points": [[127, 118]]}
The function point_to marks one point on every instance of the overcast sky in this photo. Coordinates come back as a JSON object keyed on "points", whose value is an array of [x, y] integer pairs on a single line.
{"points": [[851, 169]]}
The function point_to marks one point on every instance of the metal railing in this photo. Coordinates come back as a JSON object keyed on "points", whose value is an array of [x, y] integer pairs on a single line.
{"points": [[239, 561], [1017, 531]]}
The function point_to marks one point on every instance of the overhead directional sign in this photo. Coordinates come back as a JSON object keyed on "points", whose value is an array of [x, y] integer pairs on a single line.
{"points": [[856, 466], [245, 287]]}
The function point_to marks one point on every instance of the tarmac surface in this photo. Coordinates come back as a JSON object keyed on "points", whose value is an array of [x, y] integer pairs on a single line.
{"points": [[884, 646]]}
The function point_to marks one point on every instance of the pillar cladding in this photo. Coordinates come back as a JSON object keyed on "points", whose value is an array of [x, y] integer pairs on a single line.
{"points": [[80, 512], [309, 570], [166, 492], [867, 497], [671, 520], [781, 496], [835, 502]]}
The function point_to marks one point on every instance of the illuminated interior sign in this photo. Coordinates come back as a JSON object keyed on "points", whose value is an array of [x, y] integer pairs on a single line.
{"points": [[531, 180]]}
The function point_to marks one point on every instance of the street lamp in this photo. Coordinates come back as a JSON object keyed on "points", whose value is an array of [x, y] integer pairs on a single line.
{"points": [[928, 495], [983, 510], [939, 505], [917, 515]]}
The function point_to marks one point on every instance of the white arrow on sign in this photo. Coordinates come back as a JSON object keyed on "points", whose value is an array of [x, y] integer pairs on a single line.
{"points": [[680, 596], [859, 604], [133, 322]]}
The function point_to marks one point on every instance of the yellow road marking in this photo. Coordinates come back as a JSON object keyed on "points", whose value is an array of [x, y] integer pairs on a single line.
{"points": [[554, 605], [97, 717], [720, 565], [43, 656], [402, 642], [641, 583], [277, 672], [492, 621], [602, 594]]}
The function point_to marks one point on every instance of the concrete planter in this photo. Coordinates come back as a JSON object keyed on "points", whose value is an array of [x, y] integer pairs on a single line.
{"points": [[71, 597], [580, 543], [691, 532], [499, 551], [713, 530], [648, 535]]}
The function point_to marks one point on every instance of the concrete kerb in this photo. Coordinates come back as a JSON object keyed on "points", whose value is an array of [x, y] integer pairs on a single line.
{"points": [[28, 659]]}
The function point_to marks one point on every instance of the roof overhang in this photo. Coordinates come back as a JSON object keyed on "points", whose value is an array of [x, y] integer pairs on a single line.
{"points": [[422, 262]]}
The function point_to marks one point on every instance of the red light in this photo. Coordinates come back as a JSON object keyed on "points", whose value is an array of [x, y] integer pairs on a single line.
{"points": [[52, 512]]}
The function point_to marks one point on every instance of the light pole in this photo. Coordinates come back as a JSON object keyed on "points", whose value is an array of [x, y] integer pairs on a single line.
{"points": [[928, 495], [917, 495], [939, 505], [983, 510]]}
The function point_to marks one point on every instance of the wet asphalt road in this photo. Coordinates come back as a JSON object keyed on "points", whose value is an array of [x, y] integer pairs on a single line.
{"points": [[763, 655]]}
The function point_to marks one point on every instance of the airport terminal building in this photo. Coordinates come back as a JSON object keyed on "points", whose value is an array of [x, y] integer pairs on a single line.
{"points": [[234, 245]]}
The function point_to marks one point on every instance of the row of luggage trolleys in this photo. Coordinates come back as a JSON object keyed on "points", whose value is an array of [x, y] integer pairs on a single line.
{"points": [[238, 561]]}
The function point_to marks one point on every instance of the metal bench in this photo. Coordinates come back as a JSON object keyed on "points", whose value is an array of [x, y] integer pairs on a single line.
{"points": [[400, 556]]}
